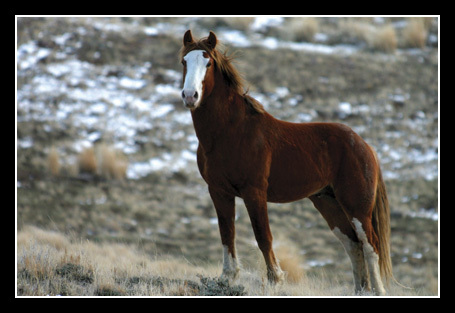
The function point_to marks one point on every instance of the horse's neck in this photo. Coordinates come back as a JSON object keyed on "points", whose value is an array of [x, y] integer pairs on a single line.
{"points": [[217, 117]]}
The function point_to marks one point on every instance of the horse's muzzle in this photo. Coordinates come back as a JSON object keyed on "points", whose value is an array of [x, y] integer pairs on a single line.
{"points": [[190, 98]]}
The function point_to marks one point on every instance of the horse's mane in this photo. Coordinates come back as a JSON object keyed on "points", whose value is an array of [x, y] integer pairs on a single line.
{"points": [[223, 62]]}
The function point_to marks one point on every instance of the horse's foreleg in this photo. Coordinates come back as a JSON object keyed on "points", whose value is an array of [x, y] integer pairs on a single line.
{"points": [[256, 204], [225, 210]]}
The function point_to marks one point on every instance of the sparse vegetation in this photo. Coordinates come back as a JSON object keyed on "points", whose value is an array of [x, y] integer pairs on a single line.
{"points": [[47, 267]]}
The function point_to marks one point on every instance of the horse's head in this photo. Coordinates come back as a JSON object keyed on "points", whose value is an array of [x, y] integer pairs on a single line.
{"points": [[198, 72]]}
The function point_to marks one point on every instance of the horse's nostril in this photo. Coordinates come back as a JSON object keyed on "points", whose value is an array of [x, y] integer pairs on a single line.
{"points": [[191, 94]]}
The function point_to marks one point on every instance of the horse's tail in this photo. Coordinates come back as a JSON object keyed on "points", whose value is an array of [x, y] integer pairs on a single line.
{"points": [[381, 225]]}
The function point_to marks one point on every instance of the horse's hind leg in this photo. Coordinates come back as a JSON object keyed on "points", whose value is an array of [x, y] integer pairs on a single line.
{"points": [[332, 212], [355, 189], [365, 233], [355, 253], [360, 216]]}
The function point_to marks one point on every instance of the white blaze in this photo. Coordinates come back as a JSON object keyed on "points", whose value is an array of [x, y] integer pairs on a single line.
{"points": [[196, 67]]}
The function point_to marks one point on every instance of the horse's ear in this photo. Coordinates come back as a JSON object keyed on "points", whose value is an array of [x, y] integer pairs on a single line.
{"points": [[187, 38], [211, 40]]}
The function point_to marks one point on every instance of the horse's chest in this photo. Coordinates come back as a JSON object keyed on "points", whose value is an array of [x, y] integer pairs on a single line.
{"points": [[220, 171]]}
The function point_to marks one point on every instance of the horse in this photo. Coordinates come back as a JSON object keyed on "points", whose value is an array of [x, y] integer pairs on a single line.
{"points": [[245, 152]]}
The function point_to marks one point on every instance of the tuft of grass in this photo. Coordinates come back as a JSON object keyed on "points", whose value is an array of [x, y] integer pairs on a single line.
{"points": [[352, 31], [290, 263], [104, 161], [31, 235], [53, 162], [384, 39], [415, 33], [111, 163], [302, 29], [87, 161], [240, 23]]}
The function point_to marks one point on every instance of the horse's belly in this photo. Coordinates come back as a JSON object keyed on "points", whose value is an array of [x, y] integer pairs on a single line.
{"points": [[295, 181], [290, 193]]}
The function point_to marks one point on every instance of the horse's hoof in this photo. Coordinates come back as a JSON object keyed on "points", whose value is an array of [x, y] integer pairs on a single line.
{"points": [[230, 275], [276, 277]]}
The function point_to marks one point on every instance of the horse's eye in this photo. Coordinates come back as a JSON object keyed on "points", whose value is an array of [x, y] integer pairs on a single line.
{"points": [[209, 64], [183, 62]]}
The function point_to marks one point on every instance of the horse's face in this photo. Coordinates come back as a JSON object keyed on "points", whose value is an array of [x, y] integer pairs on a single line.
{"points": [[197, 77], [198, 72]]}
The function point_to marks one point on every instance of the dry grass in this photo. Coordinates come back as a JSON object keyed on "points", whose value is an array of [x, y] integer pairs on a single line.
{"points": [[49, 263], [53, 162], [384, 39], [87, 161], [378, 38], [290, 262], [352, 30], [302, 29], [33, 235], [111, 163], [101, 160], [415, 34], [240, 23]]}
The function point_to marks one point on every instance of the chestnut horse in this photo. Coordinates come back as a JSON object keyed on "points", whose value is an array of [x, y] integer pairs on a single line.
{"points": [[245, 152]]}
